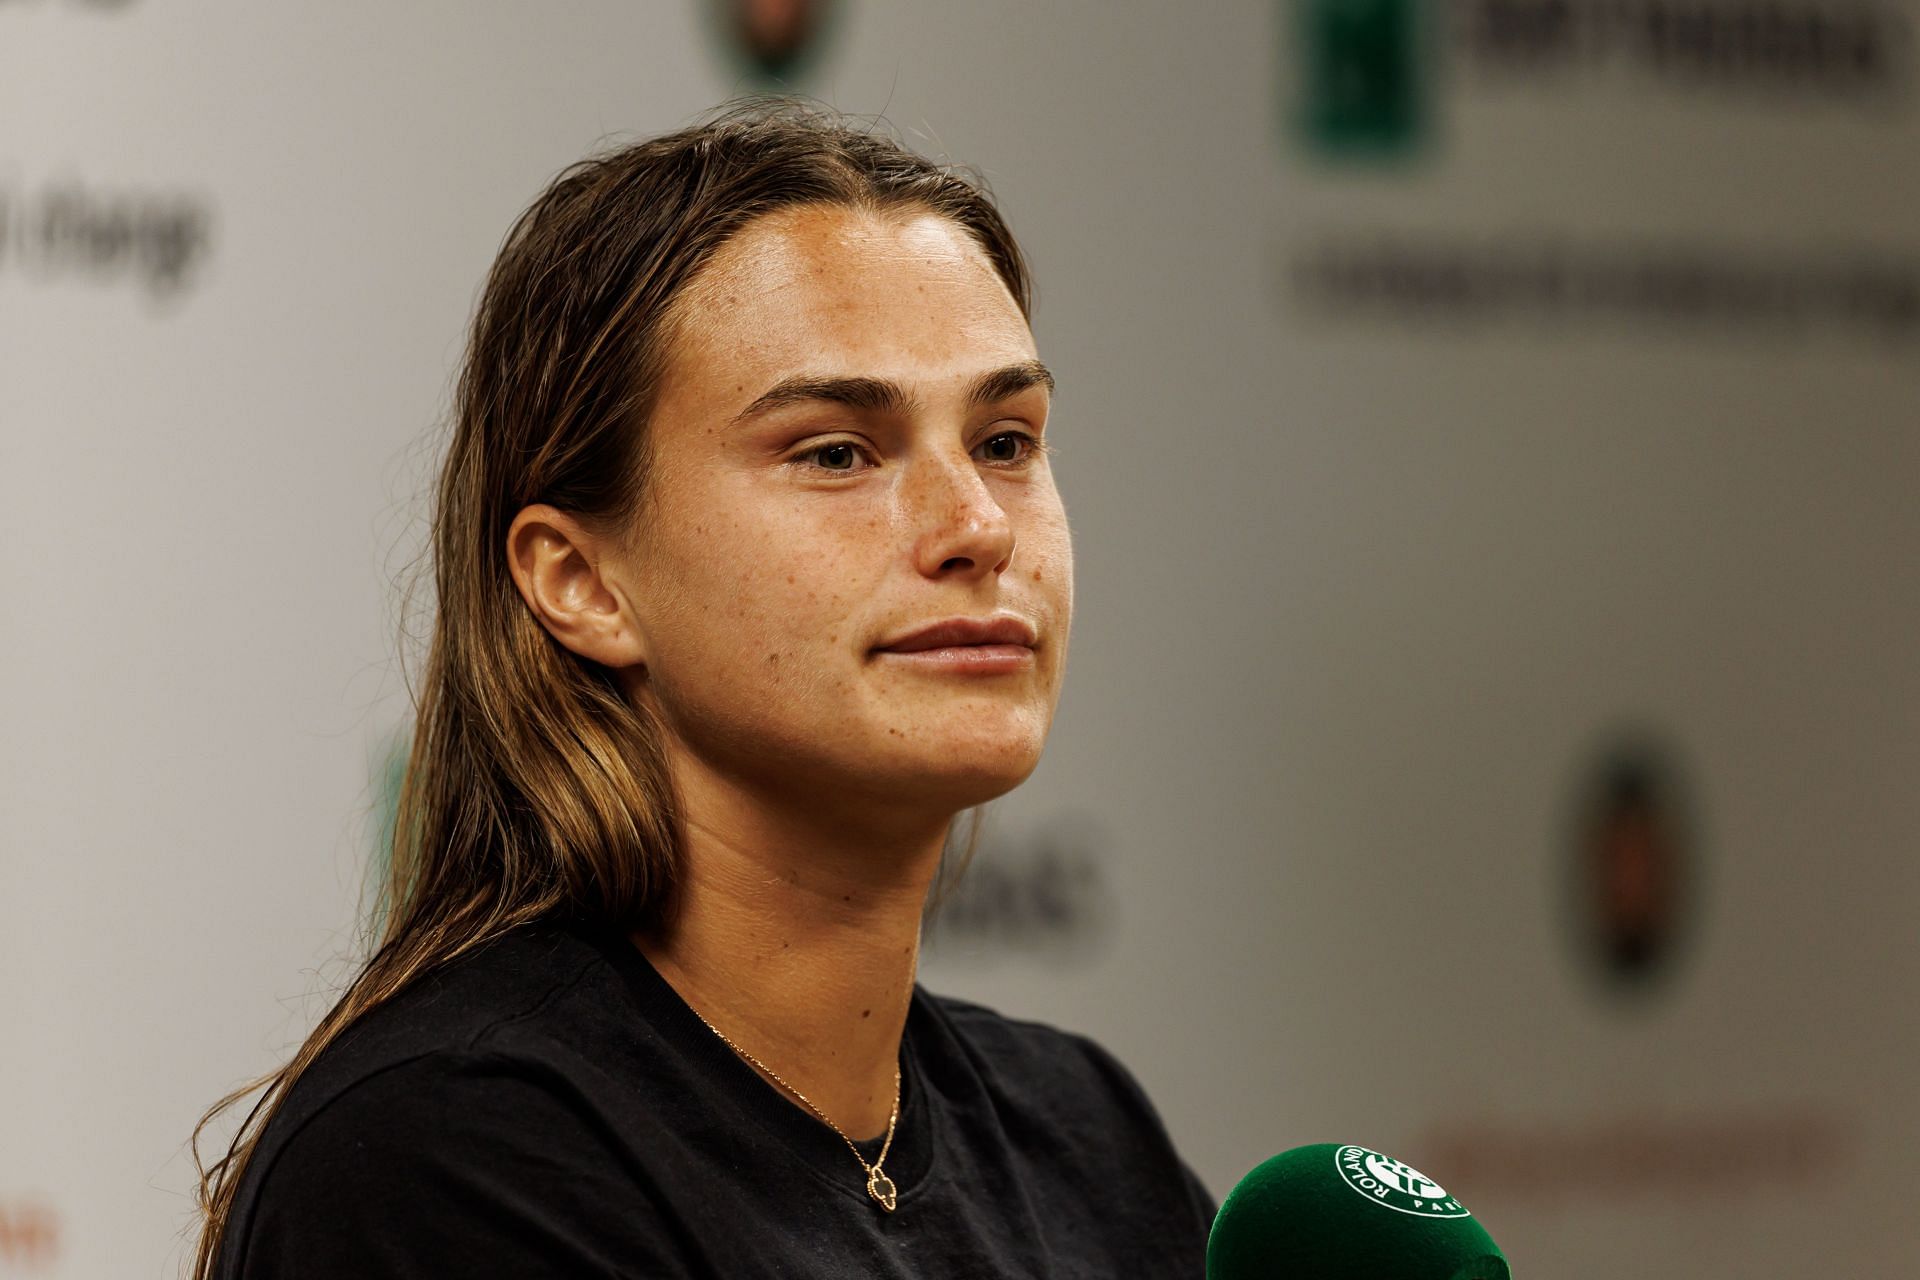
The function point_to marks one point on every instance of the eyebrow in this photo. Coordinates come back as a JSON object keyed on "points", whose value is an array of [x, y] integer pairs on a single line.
{"points": [[878, 395]]}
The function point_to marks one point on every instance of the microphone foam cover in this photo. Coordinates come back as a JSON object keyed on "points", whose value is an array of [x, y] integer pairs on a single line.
{"points": [[1341, 1212]]}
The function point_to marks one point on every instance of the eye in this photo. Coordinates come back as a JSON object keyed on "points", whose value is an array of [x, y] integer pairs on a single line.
{"points": [[1007, 450], [1027, 447], [835, 455]]}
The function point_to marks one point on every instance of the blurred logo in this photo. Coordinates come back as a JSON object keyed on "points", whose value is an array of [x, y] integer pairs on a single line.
{"points": [[1631, 863], [388, 769], [386, 775], [29, 1236], [104, 5], [1393, 1185], [1613, 1160], [1827, 49], [1367, 74], [156, 241], [775, 38], [1362, 82], [1039, 890]]}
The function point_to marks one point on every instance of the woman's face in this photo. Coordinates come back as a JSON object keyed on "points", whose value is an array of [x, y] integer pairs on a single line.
{"points": [[839, 458]]}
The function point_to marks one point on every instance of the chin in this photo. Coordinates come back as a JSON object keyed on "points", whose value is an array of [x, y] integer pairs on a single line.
{"points": [[954, 759], [964, 779]]}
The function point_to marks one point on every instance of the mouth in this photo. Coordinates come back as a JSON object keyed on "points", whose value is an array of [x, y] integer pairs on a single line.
{"points": [[1000, 644], [969, 659], [996, 636]]}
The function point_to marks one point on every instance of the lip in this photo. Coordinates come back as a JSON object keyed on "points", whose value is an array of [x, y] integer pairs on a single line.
{"points": [[1000, 632], [965, 659]]}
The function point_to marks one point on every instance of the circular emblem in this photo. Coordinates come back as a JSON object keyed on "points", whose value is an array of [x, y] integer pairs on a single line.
{"points": [[1393, 1185], [1634, 855], [775, 38]]}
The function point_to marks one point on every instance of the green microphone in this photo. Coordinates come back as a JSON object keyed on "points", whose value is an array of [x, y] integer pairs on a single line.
{"points": [[1340, 1212]]}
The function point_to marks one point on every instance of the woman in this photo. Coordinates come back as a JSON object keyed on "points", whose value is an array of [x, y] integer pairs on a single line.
{"points": [[751, 575]]}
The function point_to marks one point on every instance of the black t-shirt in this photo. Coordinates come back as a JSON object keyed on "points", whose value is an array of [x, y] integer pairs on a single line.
{"points": [[548, 1106]]}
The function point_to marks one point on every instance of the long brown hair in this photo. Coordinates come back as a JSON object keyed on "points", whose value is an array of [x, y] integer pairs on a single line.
{"points": [[533, 788]]}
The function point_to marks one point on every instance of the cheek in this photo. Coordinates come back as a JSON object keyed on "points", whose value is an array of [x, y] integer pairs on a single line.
{"points": [[1049, 560], [762, 606], [1049, 585]]}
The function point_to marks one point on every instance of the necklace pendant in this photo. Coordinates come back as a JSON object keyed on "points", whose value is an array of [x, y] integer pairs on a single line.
{"points": [[881, 1188]]}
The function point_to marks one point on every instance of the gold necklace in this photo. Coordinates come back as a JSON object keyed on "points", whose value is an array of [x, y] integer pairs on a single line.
{"points": [[879, 1185]]}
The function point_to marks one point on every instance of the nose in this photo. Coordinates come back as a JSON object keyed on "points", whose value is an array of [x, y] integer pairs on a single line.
{"points": [[959, 526]]}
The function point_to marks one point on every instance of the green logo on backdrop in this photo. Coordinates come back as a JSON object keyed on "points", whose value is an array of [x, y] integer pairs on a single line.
{"points": [[1362, 78], [388, 767]]}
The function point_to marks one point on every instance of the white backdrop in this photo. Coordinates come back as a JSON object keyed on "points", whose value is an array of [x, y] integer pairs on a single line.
{"points": [[1383, 529]]}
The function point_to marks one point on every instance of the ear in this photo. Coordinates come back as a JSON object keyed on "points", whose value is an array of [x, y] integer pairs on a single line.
{"points": [[568, 577]]}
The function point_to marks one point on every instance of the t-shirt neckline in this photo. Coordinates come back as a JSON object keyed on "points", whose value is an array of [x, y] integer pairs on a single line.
{"points": [[813, 1142]]}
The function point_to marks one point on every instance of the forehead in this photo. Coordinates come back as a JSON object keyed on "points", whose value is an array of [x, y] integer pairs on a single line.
{"points": [[824, 289]]}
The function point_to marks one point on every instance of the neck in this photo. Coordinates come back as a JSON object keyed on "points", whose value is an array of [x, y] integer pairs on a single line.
{"points": [[799, 938]]}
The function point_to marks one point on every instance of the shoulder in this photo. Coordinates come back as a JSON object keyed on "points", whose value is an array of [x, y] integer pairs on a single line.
{"points": [[433, 1126], [1053, 1070], [503, 993], [1024, 1042], [387, 1127], [454, 1162], [535, 1001], [1045, 1079]]}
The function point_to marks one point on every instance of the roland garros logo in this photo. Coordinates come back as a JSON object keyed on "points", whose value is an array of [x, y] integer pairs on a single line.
{"points": [[1396, 1186]]}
